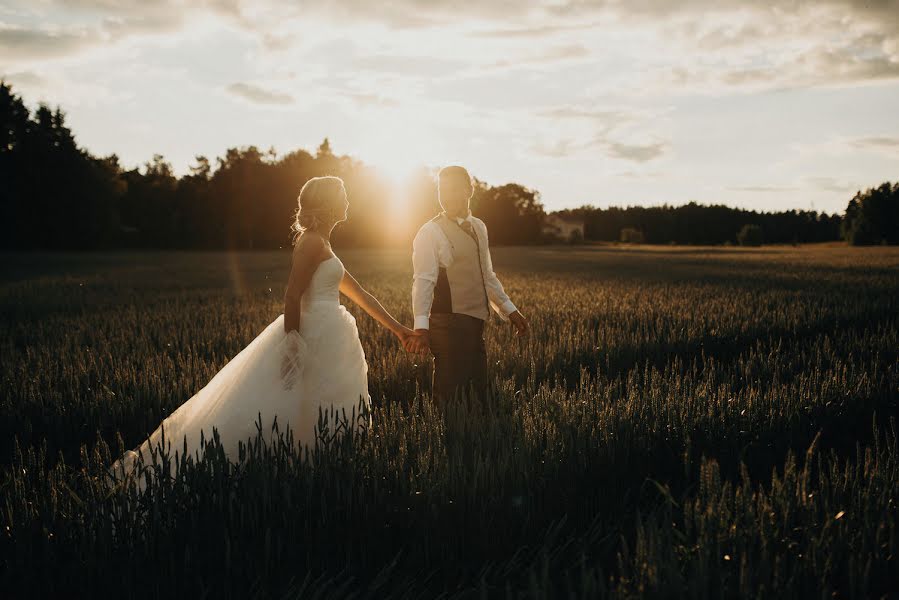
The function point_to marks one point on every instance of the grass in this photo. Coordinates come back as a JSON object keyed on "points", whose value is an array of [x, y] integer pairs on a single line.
{"points": [[702, 422]]}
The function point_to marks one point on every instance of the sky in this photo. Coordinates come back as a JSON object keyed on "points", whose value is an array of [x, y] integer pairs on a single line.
{"points": [[762, 105]]}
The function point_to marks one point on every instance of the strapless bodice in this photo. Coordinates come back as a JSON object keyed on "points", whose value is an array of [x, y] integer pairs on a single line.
{"points": [[324, 287]]}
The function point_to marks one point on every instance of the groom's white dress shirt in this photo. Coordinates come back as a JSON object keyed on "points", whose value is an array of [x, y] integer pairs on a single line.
{"points": [[432, 250]]}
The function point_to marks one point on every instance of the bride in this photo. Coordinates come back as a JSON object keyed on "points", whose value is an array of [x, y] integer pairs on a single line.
{"points": [[309, 359]]}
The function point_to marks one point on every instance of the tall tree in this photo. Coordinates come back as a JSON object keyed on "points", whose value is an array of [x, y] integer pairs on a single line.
{"points": [[872, 216], [513, 213]]}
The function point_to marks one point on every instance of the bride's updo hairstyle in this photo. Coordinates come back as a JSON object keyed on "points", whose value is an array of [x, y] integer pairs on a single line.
{"points": [[317, 204]]}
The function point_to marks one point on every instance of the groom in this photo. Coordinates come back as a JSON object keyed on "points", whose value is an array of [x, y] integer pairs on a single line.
{"points": [[453, 289]]}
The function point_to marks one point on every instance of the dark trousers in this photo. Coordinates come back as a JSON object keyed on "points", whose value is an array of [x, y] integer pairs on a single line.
{"points": [[460, 357]]}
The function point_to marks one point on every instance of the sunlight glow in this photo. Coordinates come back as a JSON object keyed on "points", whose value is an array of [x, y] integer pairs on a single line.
{"points": [[397, 149], [398, 177], [397, 153]]}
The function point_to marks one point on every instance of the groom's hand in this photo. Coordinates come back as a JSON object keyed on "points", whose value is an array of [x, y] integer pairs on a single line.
{"points": [[520, 323], [420, 343]]}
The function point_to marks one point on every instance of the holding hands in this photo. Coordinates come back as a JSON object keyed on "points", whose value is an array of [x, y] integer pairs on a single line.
{"points": [[416, 341]]}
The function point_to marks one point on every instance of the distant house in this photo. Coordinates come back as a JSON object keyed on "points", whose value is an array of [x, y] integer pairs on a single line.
{"points": [[563, 227]]}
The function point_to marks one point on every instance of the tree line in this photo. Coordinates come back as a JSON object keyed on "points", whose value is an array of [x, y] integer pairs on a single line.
{"points": [[703, 224], [56, 195]]}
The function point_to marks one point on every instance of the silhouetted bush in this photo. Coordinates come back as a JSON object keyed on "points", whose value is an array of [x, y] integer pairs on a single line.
{"points": [[750, 235], [631, 235]]}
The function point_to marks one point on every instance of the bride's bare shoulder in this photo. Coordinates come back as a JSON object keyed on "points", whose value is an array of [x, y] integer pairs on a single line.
{"points": [[310, 248]]}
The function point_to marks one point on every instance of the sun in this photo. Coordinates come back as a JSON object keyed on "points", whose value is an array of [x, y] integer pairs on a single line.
{"points": [[398, 153], [397, 172], [399, 156], [398, 175]]}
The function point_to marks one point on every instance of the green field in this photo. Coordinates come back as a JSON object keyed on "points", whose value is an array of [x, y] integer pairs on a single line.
{"points": [[699, 422]]}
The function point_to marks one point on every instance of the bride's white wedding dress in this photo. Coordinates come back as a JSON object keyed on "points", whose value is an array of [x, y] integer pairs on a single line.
{"points": [[329, 372]]}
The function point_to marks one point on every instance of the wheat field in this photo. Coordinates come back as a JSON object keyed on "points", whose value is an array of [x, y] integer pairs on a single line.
{"points": [[682, 422]]}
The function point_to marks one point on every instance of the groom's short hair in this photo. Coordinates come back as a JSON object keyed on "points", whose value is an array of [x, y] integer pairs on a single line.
{"points": [[454, 171]]}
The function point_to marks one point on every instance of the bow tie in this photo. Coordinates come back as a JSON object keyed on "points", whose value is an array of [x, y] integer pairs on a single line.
{"points": [[467, 228]]}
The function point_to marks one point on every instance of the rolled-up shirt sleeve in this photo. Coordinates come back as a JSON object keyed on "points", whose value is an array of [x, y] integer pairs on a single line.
{"points": [[499, 301], [425, 267]]}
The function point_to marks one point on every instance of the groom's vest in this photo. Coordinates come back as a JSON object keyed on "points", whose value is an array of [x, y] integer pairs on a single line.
{"points": [[460, 287]]}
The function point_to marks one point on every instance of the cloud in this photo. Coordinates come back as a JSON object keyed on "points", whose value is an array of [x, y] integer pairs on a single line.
{"points": [[782, 45], [65, 39], [817, 67], [700, 45], [364, 99], [258, 95], [424, 66], [551, 55], [533, 31], [62, 28], [621, 132], [636, 152], [557, 149], [633, 152], [631, 175], [606, 118], [64, 89], [844, 146], [831, 184], [764, 189], [29, 78], [121, 27], [275, 42], [25, 43], [883, 143], [412, 14]]}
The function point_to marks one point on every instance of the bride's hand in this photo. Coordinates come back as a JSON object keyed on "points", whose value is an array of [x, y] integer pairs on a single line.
{"points": [[403, 334], [412, 341]]}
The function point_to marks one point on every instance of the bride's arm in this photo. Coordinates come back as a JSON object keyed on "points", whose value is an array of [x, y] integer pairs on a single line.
{"points": [[355, 292], [306, 256]]}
